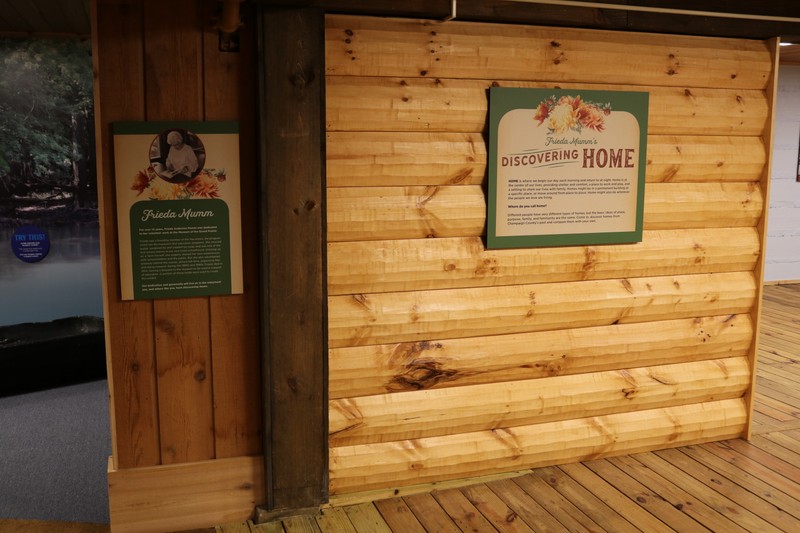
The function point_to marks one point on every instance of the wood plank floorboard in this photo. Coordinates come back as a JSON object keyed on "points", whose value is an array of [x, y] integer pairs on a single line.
{"points": [[727, 486]]}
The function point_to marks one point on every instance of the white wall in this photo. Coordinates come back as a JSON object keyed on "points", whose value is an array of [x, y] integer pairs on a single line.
{"points": [[783, 229]]}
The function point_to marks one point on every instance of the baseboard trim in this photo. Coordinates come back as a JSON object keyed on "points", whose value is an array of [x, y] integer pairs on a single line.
{"points": [[185, 496]]}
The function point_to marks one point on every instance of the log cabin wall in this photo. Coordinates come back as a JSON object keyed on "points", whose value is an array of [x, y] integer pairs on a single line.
{"points": [[450, 361], [184, 374]]}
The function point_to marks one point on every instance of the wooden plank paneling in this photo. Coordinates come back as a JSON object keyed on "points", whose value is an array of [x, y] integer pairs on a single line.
{"points": [[356, 468], [379, 159], [704, 158], [356, 47], [119, 95], [428, 413], [419, 264], [234, 319], [367, 370], [364, 319], [293, 293], [377, 213], [184, 383], [460, 106], [183, 344]]}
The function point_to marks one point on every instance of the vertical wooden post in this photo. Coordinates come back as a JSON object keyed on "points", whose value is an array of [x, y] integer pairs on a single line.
{"points": [[293, 257]]}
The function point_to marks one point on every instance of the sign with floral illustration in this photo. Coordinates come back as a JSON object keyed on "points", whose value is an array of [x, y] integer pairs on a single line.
{"points": [[566, 167], [178, 209]]}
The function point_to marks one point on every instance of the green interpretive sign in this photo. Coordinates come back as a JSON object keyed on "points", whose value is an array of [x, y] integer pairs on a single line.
{"points": [[180, 248], [566, 167], [178, 209]]}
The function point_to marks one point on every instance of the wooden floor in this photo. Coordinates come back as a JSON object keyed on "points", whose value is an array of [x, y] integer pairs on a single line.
{"points": [[729, 486]]}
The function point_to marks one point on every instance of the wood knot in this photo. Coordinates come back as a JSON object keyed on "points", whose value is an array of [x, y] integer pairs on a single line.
{"points": [[298, 80], [200, 375], [167, 326], [308, 205], [349, 32]]}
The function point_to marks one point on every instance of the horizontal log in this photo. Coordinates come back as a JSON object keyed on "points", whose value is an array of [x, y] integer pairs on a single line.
{"points": [[460, 106], [379, 159], [441, 363], [358, 46], [702, 205], [396, 464], [370, 213], [364, 319], [378, 213], [697, 158], [429, 413], [418, 264], [374, 159]]}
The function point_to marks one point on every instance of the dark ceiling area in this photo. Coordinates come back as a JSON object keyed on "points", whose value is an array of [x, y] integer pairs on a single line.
{"points": [[45, 17], [763, 19]]}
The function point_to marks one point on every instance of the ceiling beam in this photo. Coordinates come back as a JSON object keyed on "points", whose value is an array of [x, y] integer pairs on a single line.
{"points": [[584, 14]]}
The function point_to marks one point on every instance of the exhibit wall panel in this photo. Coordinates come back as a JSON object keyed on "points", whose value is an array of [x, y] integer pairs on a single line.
{"points": [[183, 372], [450, 361]]}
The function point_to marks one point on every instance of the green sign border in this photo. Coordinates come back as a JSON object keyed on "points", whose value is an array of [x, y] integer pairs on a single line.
{"points": [[505, 99]]}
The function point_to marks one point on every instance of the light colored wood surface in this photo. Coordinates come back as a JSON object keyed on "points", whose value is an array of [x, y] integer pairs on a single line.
{"points": [[378, 213], [460, 105], [494, 406], [183, 496], [369, 370], [424, 321], [765, 183], [417, 264], [467, 50], [382, 318], [356, 468], [376, 159]]}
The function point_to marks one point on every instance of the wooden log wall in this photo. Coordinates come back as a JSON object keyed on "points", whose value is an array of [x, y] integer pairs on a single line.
{"points": [[184, 374], [447, 360]]}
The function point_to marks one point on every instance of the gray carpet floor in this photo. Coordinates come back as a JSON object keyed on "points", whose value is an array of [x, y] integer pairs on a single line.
{"points": [[54, 448]]}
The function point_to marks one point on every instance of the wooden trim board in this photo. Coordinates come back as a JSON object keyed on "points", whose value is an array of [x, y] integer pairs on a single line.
{"points": [[183, 496]]}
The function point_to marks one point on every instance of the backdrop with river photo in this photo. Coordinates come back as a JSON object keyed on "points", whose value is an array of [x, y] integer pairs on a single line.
{"points": [[47, 179]]}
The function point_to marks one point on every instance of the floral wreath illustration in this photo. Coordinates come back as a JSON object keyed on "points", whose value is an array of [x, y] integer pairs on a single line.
{"points": [[568, 113], [204, 185]]}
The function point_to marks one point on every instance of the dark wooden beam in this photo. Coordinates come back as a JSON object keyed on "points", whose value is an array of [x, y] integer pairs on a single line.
{"points": [[292, 225], [590, 16]]}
